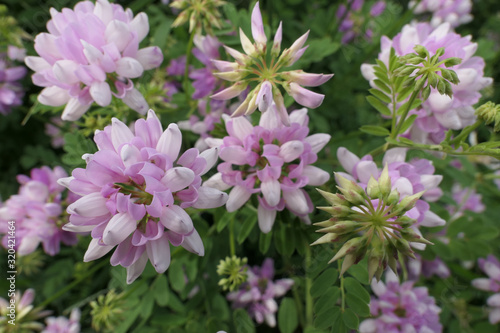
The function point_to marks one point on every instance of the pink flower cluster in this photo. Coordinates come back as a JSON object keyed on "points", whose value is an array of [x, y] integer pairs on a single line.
{"points": [[353, 23], [407, 177], [272, 160], [455, 12], [491, 266], [37, 211], [11, 91], [63, 324], [90, 54], [135, 190], [401, 308], [440, 112], [258, 294]]}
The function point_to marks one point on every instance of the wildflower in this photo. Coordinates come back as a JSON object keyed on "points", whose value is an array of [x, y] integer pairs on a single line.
{"points": [[38, 212], [376, 212], [63, 324], [353, 22], [135, 190], [272, 160], [11, 91], [258, 294], [491, 266], [401, 308], [427, 268], [90, 54], [440, 112], [455, 12], [254, 63], [25, 313], [206, 50], [466, 199], [200, 14], [235, 268]]}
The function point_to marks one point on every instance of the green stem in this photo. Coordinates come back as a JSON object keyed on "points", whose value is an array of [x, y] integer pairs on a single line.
{"points": [[188, 61], [300, 310], [342, 291], [381, 149], [466, 131], [309, 300], [403, 267], [231, 238], [395, 131], [73, 284]]}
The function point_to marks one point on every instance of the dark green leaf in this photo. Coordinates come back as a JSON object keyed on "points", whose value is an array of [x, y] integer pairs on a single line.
{"points": [[176, 275], [243, 322], [354, 287], [327, 300], [324, 281], [287, 316], [350, 319], [378, 104], [247, 228], [160, 289], [408, 122], [375, 130], [382, 86], [380, 95], [265, 241], [360, 307]]}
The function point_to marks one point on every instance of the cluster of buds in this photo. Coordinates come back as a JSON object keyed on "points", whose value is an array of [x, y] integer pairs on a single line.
{"points": [[253, 67], [200, 14], [426, 67], [370, 222], [236, 270], [490, 112], [107, 311]]}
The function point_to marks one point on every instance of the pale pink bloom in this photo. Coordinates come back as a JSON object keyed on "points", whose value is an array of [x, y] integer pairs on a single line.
{"points": [[455, 12], [11, 90], [491, 266], [272, 161], [63, 324], [135, 190], [90, 54]]}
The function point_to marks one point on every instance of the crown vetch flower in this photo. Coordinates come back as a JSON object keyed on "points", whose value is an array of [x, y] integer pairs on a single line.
{"points": [[271, 160], [63, 324], [253, 66], [439, 112], [258, 294], [11, 91], [199, 13], [401, 308], [206, 50], [455, 12], [90, 54], [135, 190], [491, 266], [427, 268], [26, 313], [354, 22], [37, 211]]}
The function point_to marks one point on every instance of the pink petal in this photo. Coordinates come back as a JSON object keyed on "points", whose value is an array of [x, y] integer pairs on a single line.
{"points": [[136, 269], [96, 251], [193, 243], [159, 253], [176, 219], [238, 196], [210, 198], [119, 228], [170, 142], [266, 218]]}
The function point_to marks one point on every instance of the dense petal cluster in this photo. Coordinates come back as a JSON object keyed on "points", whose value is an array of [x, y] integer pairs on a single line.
{"points": [[20, 309], [37, 212], [272, 161], [439, 112], [353, 21], [63, 324], [491, 266], [206, 50], [254, 66], [11, 91], [258, 294], [467, 199], [408, 178], [455, 12], [90, 54], [401, 308], [135, 190]]}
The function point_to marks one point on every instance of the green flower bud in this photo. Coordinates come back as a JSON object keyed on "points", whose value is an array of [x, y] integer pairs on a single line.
{"points": [[421, 51], [384, 182], [350, 246], [452, 62]]}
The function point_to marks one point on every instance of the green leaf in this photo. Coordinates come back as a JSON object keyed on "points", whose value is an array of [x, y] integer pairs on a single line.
{"points": [[354, 287], [327, 300], [378, 104], [416, 103], [375, 130], [324, 281], [380, 95], [162, 32], [408, 122], [360, 307], [265, 241], [441, 250], [404, 93], [287, 316], [382, 86], [222, 218], [242, 322], [350, 319], [327, 318], [176, 275], [220, 307], [290, 241], [147, 304], [247, 228], [160, 290], [360, 272]]}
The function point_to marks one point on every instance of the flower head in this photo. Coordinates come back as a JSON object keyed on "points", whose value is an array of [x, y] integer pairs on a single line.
{"points": [[491, 266], [272, 161], [455, 12], [258, 294], [135, 190], [440, 112], [200, 14], [107, 310], [401, 308], [11, 91], [252, 66], [37, 213], [376, 212], [90, 54], [235, 268], [63, 324], [25, 314]]}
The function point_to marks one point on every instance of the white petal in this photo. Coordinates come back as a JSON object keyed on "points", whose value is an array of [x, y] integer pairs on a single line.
{"points": [[266, 218], [96, 251], [170, 142]]}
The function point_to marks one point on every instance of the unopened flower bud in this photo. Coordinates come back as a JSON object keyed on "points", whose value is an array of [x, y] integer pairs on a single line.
{"points": [[452, 62], [334, 199], [384, 182], [372, 188], [350, 246]]}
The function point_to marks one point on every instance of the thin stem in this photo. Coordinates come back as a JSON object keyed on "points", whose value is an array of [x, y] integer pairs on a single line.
{"points": [[188, 60], [231, 238], [342, 291], [395, 132], [466, 131], [309, 300], [403, 267], [73, 284], [300, 310]]}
